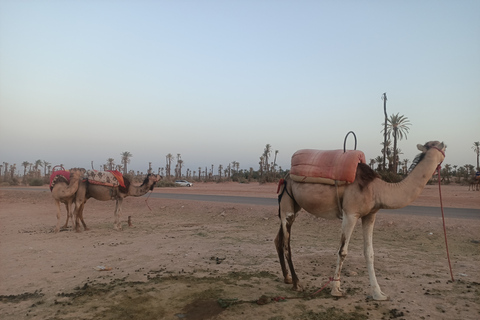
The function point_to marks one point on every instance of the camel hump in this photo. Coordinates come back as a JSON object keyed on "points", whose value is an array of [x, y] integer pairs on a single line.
{"points": [[105, 178], [326, 166]]}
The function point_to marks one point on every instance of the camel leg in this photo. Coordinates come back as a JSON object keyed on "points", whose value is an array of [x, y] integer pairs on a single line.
{"points": [[348, 224], [279, 240], [367, 225], [117, 225], [78, 214], [68, 206], [59, 213], [79, 206], [282, 243], [286, 229], [65, 226], [288, 209]]}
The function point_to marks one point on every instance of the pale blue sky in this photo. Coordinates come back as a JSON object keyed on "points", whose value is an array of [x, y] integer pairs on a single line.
{"points": [[217, 80]]}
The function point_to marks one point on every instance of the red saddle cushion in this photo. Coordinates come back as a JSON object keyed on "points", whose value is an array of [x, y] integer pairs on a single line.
{"points": [[329, 164]]}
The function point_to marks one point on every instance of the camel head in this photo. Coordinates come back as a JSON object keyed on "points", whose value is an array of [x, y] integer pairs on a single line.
{"points": [[77, 172], [435, 145], [151, 180], [431, 144]]}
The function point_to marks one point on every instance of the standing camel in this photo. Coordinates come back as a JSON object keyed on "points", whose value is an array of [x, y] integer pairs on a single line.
{"points": [[474, 183], [88, 190], [64, 185], [360, 199]]}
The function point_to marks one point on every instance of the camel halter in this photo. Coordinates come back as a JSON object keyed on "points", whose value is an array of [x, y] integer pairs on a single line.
{"points": [[439, 167]]}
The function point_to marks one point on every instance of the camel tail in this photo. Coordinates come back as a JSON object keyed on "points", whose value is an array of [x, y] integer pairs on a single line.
{"points": [[281, 183]]}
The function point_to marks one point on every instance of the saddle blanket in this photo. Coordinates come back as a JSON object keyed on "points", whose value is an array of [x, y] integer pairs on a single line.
{"points": [[109, 178], [325, 166], [57, 175]]}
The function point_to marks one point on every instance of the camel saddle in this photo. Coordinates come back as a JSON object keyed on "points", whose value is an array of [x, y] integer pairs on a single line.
{"points": [[325, 166], [59, 175], [109, 178]]}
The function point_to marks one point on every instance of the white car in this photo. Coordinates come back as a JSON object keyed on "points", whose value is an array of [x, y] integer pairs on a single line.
{"points": [[184, 183]]}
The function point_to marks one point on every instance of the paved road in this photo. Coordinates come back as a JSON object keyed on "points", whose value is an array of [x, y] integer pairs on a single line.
{"points": [[413, 210]]}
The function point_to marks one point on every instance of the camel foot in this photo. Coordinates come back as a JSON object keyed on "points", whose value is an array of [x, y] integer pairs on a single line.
{"points": [[337, 292], [118, 228], [297, 287], [380, 296], [86, 229], [288, 280]]}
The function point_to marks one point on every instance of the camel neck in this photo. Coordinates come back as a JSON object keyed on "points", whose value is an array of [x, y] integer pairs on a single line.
{"points": [[138, 191], [399, 195]]}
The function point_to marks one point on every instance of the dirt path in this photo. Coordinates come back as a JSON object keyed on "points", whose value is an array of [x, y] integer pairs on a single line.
{"points": [[187, 259]]}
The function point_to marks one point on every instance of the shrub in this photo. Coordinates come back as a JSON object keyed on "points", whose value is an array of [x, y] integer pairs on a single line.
{"points": [[36, 182], [165, 184]]}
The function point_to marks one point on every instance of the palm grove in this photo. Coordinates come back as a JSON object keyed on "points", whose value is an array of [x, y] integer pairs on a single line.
{"points": [[389, 165]]}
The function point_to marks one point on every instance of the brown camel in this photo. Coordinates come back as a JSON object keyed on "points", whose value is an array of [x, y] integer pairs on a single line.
{"points": [[360, 199], [64, 191], [474, 183], [88, 190]]}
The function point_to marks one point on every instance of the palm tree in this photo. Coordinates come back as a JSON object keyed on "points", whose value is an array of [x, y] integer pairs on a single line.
{"points": [[178, 171], [45, 166], [405, 166], [387, 152], [262, 161], [38, 163], [398, 127], [25, 164], [476, 149], [266, 153], [379, 161], [125, 159], [168, 166], [111, 163], [5, 164], [384, 98], [220, 168], [275, 162]]}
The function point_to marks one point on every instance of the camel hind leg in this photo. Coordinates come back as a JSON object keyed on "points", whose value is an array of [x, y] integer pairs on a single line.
{"points": [[287, 213], [117, 225]]}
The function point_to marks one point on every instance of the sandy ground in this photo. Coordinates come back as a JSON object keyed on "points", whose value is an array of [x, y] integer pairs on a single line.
{"points": [[204, 260]]}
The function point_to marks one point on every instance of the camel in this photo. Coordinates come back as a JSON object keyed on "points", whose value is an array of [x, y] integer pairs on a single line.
{"points": [[88, 190], [360, 199], [474, 183], [64, 191]]}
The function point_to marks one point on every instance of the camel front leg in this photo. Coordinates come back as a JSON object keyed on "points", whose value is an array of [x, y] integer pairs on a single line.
{"points": [[68, 206], [348, 224], [117, 225], [367, 225], [59, 213]]}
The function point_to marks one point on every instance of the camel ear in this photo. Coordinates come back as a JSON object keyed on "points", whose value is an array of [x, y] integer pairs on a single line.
{"points": [[421, 147]]}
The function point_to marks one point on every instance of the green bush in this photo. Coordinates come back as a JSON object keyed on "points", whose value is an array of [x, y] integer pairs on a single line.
{"points": [[36, 182], [165, 184]]}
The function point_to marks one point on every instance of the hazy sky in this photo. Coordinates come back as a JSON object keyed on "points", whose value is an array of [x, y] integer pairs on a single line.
{"points": [[216, 81]]}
